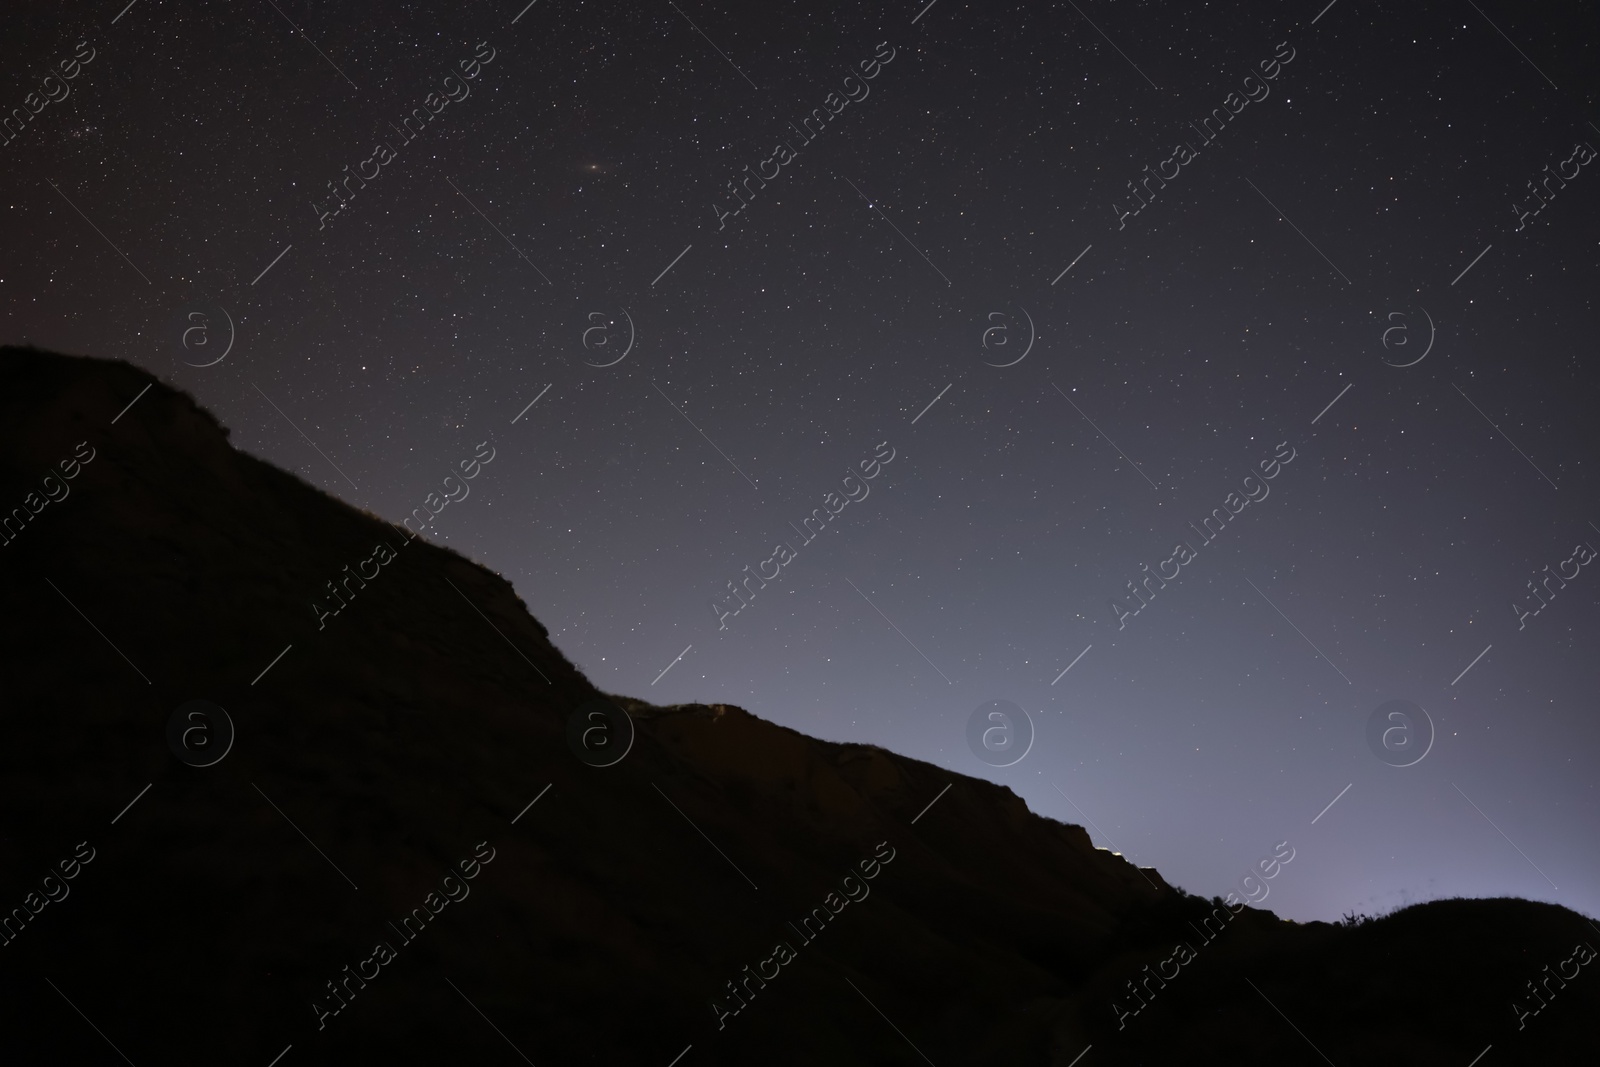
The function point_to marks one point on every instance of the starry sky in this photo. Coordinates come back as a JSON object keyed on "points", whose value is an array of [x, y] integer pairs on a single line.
{"points": [[1087, 271]]}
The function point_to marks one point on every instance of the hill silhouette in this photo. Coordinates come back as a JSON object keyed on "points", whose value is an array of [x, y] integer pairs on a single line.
{"points": [[405, 853]]}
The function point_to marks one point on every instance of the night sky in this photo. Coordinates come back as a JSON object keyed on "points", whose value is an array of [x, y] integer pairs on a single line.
{"points": [[1066, 278]]}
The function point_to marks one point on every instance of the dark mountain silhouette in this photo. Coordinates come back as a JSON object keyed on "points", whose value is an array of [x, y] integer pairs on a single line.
{"points": [[383, 767]]}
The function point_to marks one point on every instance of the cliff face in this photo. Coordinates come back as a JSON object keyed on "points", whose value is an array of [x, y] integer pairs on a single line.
{"points": [[403, 854]]}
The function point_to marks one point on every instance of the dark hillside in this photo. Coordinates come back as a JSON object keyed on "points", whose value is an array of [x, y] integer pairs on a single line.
{"points": [[385, 764]]}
